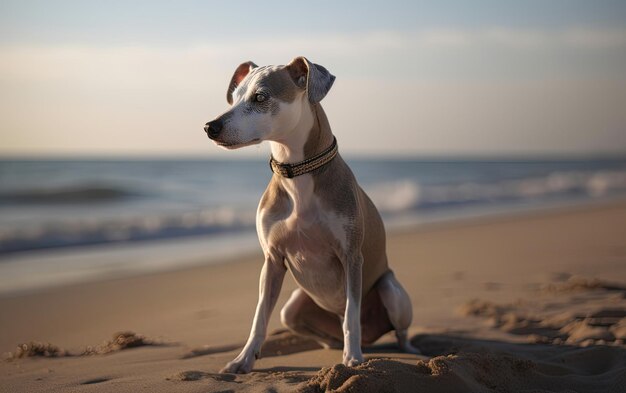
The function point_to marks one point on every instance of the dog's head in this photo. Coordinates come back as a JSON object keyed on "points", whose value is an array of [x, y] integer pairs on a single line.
{"points": [[268, 102]]}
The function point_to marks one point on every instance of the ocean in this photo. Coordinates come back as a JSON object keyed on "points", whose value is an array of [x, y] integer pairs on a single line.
{"points": [[49, 206]]}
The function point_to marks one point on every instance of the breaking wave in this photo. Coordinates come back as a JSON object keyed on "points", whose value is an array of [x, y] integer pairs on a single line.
{"points": [[393, 198], [124, 229], [405, 195]]}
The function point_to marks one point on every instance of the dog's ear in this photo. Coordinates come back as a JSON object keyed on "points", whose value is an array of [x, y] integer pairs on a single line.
{"points": [[240, 73], [313, 78]]}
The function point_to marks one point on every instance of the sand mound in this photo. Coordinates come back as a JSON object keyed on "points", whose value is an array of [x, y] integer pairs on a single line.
{"points": [[381, 375], [476, 372]]}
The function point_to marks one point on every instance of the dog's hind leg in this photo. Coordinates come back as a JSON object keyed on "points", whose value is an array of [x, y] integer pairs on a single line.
{"points": [[398, 305], [302, 316]]}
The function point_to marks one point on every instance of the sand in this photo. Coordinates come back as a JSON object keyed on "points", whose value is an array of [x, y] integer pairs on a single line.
{"points": [[533, 302]]}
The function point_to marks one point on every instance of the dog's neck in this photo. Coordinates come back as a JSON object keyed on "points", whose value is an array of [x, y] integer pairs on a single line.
{"points": [[311, 136]]}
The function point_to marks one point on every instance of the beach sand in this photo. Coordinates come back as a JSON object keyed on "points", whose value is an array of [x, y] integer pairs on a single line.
{"points": [[529, 302]]}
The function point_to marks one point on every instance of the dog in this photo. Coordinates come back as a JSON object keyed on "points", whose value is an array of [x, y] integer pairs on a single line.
{"points": [[313, 219]]}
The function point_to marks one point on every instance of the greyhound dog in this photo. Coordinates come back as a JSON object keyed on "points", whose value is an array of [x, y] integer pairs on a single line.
{"points": [[313, 219]]}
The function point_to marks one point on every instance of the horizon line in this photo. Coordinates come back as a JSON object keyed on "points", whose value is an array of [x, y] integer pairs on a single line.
{"points": [[531, 156]]}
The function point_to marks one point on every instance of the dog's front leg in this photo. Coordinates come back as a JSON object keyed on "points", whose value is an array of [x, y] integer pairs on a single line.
{"points": [[271, 281], [352, 354]]}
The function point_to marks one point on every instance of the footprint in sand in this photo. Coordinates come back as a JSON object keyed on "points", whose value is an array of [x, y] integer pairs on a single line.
{"points": [[577, 312]]}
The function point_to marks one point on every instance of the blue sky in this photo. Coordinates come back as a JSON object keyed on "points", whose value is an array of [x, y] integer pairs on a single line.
{"points": [[462, 77], [170, 22]]}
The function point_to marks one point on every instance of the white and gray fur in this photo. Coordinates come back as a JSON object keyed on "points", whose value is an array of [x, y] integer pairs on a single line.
{"points": [[320, 226]]}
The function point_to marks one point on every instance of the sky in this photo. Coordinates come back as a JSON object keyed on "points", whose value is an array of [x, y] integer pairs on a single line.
{"points": [[414, 78]]}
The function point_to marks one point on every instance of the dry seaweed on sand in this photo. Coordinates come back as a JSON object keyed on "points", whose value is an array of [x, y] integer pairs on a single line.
{"points": [[120, 341], [37, 349]]}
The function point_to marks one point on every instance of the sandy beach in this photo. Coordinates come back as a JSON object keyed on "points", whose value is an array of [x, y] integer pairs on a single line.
{"points": [[527, 302]]}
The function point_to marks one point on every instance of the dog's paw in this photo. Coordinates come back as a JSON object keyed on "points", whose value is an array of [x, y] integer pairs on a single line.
{"points": [[238, 366], [353, 360]]}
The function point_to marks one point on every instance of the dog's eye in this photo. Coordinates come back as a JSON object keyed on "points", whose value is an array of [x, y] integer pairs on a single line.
{"points": [[259, 97]]}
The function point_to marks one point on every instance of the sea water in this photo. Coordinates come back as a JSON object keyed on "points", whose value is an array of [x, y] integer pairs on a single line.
{"points": [[48, 206]]}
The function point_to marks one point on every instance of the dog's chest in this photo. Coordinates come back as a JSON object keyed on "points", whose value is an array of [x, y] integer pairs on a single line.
{"points": [[298, 218], [310, 252], [311, 238]]}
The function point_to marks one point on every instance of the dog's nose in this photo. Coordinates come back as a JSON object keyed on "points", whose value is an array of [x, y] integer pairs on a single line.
{"points": [[213, 128]]}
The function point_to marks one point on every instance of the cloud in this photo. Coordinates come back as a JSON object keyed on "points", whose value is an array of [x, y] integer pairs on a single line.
{"points": [[447, 82], [490, 52], [507, 38], [439, 39]]}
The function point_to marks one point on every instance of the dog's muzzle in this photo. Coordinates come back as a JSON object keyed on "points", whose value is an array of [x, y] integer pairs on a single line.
{"points": [[213, 128]]}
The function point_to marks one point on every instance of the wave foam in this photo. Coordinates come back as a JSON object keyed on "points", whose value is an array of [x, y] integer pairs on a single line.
{"points": [[403, 195], [90, 231], [393, 199]]}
